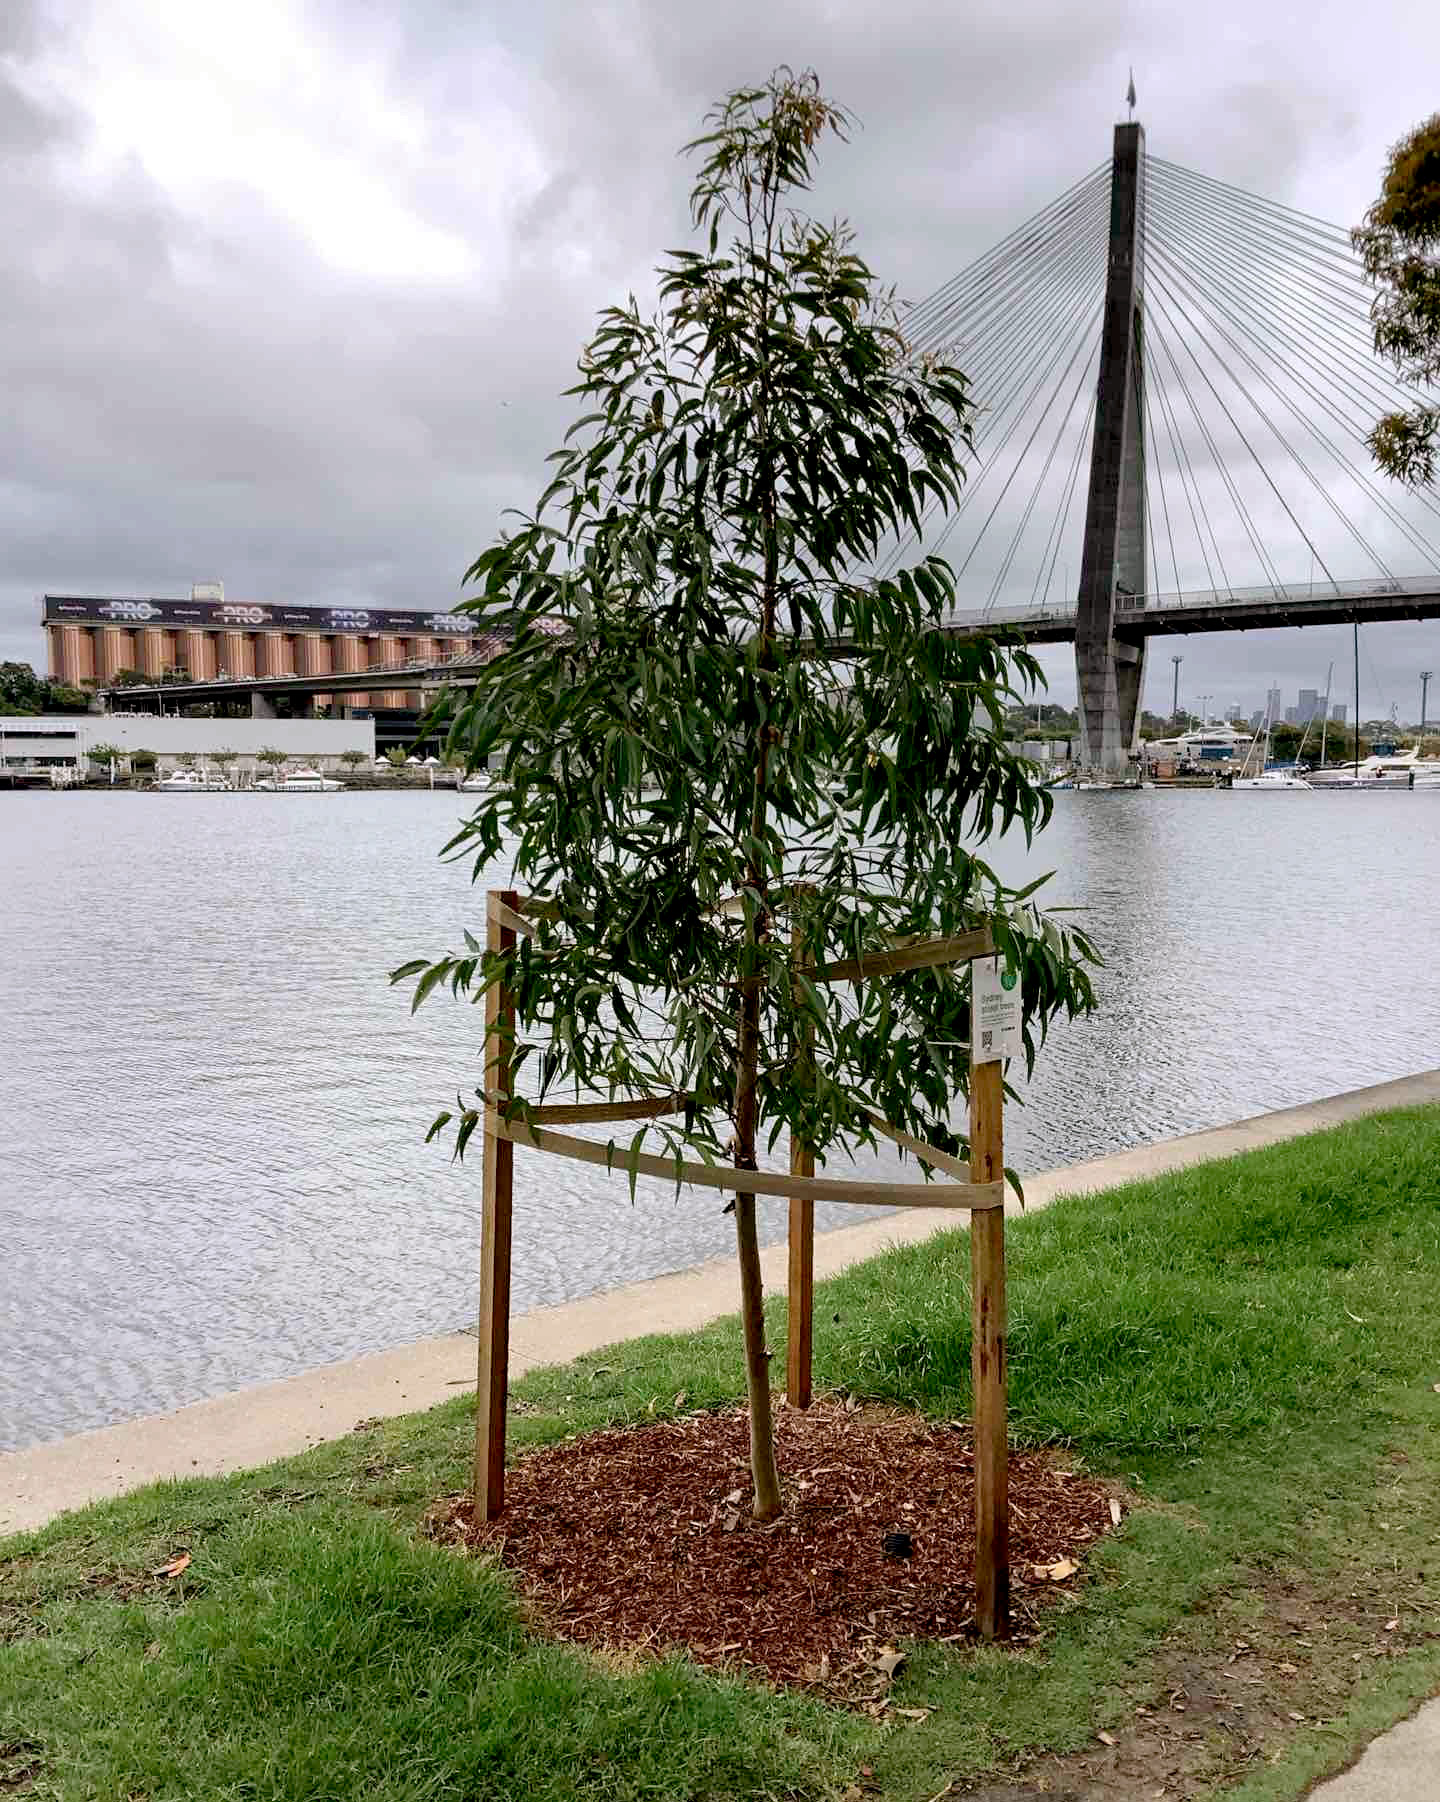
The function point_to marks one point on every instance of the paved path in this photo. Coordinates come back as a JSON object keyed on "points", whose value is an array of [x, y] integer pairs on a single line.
{"points": [[1403, 1765], [254, 1426]]}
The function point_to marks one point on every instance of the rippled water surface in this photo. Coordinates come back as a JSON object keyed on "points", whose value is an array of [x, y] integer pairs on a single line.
{"points": [[212, 1105]]}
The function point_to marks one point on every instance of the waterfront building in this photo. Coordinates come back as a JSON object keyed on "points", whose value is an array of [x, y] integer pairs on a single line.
{"points": [[90, 639], [31, 746]]}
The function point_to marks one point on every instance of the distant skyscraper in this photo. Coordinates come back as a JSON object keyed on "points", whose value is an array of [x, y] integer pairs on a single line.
{"points": [[1292, 716], [1311, 705], [1337, 714], [1272, 704]]}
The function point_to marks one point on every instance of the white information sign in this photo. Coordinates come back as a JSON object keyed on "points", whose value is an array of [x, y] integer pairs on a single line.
{"points": [[995, 1011]]}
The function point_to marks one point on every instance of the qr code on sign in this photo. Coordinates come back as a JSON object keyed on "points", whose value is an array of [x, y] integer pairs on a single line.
{"points": [[987, 1039]]}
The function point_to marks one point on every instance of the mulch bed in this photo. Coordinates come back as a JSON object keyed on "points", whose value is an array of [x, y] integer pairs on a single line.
{"points": [[642, 1538]]}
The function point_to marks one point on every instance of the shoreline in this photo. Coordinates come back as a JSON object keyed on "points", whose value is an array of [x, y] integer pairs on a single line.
{"points": [[256, 1425]]}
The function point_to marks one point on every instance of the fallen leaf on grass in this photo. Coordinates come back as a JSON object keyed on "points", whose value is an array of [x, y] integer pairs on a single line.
{"points": [[1114, 1512], [1288, 1670], [180, 1562], [887, 1661], [1295, 1714], [1058, 1571], [1390, 1626], [682, 1398], [1106, 1739], [915, 1714]]}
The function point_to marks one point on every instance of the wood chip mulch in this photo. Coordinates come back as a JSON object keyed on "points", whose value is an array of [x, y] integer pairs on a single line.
{"points": [[641, 1538]]}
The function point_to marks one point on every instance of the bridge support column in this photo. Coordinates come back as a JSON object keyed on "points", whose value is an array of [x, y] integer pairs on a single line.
{"points": [[261, 707], [1109, 667]]}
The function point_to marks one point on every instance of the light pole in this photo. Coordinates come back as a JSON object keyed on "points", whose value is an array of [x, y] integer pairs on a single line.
{"points": [[1175, 696], [1425, 676], [1204, 711]]}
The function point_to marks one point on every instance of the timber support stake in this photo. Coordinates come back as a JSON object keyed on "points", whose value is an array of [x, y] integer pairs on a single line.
{"points": [[987, 1357]]}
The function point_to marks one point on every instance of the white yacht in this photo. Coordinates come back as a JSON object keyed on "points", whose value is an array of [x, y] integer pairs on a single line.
{"points": [[1268, 779], [192, 782], [300, 782], [1382, 770]]}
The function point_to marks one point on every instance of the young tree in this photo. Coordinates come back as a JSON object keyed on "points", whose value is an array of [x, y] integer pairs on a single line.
{"points": [[719, 735], [1400, 245], [353, 759], [270, 757], [107, 757]]}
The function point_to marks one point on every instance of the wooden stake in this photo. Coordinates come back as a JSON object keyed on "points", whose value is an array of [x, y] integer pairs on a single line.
{"points": [[987, 1357], [801, 1288], [492, 1384]]}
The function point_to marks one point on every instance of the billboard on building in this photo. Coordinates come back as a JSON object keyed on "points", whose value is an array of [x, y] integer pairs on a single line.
{"points": [[249, 616]]}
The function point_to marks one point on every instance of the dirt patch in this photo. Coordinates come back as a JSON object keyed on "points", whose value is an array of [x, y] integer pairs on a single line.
{"points": [[1204, 1717], [20, 1765], [642, 1538]]}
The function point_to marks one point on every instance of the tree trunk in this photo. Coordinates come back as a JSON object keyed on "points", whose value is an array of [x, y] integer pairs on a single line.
{"points": [[752, 1294], [763, 1471]]}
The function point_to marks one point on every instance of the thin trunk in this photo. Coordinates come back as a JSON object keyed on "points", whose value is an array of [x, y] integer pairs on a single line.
{"points": [[763, 1471], [765, 1476]]}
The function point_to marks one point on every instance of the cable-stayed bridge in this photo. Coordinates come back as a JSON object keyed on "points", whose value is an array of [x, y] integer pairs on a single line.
{"points": [[1173, 382]]}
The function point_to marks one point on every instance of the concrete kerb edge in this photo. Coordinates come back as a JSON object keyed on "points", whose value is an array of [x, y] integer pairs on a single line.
{"points": [[255, 1426]]}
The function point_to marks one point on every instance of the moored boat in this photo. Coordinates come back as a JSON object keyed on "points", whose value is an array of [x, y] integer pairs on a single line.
{"points": [[192, 782], [300, 782]]}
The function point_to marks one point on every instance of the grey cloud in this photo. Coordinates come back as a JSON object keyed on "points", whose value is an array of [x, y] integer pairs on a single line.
{"points": [[191, 397]]}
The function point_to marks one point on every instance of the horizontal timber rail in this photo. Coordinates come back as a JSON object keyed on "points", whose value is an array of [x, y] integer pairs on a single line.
{"points": [[965, 1196]]}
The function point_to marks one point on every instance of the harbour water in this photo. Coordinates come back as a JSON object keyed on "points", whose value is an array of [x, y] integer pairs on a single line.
{"points": [[212, 1105]]}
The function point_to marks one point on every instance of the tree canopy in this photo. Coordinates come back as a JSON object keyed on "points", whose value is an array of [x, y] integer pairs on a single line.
{"points": [[1400, 245], [720, 733]]}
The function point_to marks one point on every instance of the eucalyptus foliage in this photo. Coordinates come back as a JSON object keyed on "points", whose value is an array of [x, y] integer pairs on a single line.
{"points": [[715, 732], [1400, 246]]}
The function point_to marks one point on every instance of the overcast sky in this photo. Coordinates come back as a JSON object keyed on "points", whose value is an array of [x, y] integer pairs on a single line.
{"points": [[290, 290]]}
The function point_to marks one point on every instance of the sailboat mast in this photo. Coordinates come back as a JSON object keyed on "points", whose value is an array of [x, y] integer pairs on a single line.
{"points": [[1357, 697], [1325, 717]]}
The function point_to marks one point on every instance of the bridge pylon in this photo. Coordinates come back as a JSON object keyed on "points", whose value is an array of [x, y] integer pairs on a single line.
{"points": [[1109, 665]]}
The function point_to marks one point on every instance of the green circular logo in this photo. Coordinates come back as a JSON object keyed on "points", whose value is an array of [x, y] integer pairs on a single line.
{"points": [[1008, 979]]}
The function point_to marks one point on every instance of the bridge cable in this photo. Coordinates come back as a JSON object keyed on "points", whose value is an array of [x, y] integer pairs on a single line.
{"points": [[1078, 389], [1160, 339], [924, 317], [1220, 309], [1165, 261], [1240, 433], [1019, 378], [1040, 228], [1062, 515], [1354, 378]]}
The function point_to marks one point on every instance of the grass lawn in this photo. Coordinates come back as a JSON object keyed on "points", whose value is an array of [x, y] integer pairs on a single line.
{"points": [[1251, 1347]]}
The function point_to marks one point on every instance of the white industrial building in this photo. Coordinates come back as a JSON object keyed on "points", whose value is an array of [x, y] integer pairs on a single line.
{"points": [[62, 742]]}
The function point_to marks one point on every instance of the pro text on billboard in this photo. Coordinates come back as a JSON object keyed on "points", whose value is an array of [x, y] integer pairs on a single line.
{"points": [[251, 616]]}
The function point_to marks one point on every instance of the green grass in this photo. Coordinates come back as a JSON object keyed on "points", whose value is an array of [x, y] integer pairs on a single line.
{"points": [[1250, 1346]]}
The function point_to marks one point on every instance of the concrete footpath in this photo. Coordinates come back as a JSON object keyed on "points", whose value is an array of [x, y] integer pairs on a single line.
{"points": [[1403, 1765], [255, 1426]]}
